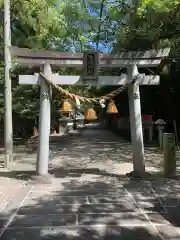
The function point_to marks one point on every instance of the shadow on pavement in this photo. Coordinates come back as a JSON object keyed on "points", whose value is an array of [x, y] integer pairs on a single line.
{"points": [[60, 173], [67, 214], [89, 203], [172, 205], [77, 209], [91, 149]]}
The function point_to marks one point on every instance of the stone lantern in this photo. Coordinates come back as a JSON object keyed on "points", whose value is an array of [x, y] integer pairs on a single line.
{"points": [[63, 124]]}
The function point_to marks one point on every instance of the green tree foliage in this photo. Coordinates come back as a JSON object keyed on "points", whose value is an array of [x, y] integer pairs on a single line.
{"points": [[74, 25], [155, 25], [42, 24]]}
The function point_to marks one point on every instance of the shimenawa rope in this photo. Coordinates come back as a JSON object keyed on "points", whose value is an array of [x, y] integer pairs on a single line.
{"points": [[72, 96]]}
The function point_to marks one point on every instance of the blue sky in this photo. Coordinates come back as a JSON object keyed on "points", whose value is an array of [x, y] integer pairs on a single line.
{"points": [[101, 47]]}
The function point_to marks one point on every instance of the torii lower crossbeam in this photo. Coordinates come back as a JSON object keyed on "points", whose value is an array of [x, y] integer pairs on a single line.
{"points": [[101, 80]]}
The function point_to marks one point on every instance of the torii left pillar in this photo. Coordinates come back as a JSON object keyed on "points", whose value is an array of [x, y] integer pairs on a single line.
{"points": [[44, 129], [136, 124]]}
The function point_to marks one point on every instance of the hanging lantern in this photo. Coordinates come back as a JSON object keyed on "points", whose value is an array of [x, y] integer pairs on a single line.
{"points": [[66, 107], [111, 109], [90, 114]]}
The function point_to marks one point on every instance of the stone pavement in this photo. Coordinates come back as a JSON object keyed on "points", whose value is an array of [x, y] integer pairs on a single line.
{"points": [[92, 207], [94, 148], [88, 199]]}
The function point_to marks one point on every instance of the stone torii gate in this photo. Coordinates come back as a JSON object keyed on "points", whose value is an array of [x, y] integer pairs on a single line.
{"points": [[51, 60]]}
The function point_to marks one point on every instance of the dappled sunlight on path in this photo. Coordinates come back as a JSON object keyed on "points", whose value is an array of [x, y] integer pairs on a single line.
{"points": [[93, 148], [103, 150], [98, 207], [89, 198]]}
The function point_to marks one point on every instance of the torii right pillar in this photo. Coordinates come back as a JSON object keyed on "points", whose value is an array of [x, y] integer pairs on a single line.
{"points": [[136, 125]]}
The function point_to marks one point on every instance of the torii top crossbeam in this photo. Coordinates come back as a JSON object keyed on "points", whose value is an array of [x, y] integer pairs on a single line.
{"points": [[34, 57]]}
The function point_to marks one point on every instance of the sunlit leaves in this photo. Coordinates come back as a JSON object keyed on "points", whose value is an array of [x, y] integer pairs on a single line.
{"points": [[76, 25], [155, 24]]}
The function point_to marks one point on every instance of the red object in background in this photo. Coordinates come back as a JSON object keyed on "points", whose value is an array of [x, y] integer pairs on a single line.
{"points": [[147, 118], [35, 132]]}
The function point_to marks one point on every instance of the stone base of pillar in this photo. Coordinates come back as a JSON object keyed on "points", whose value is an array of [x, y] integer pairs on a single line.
{"points": [[41, 179], [139, 175]]}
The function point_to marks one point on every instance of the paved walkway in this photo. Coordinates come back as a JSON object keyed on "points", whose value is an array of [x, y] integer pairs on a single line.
{"points": [[87, 200], [94, 148]]}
